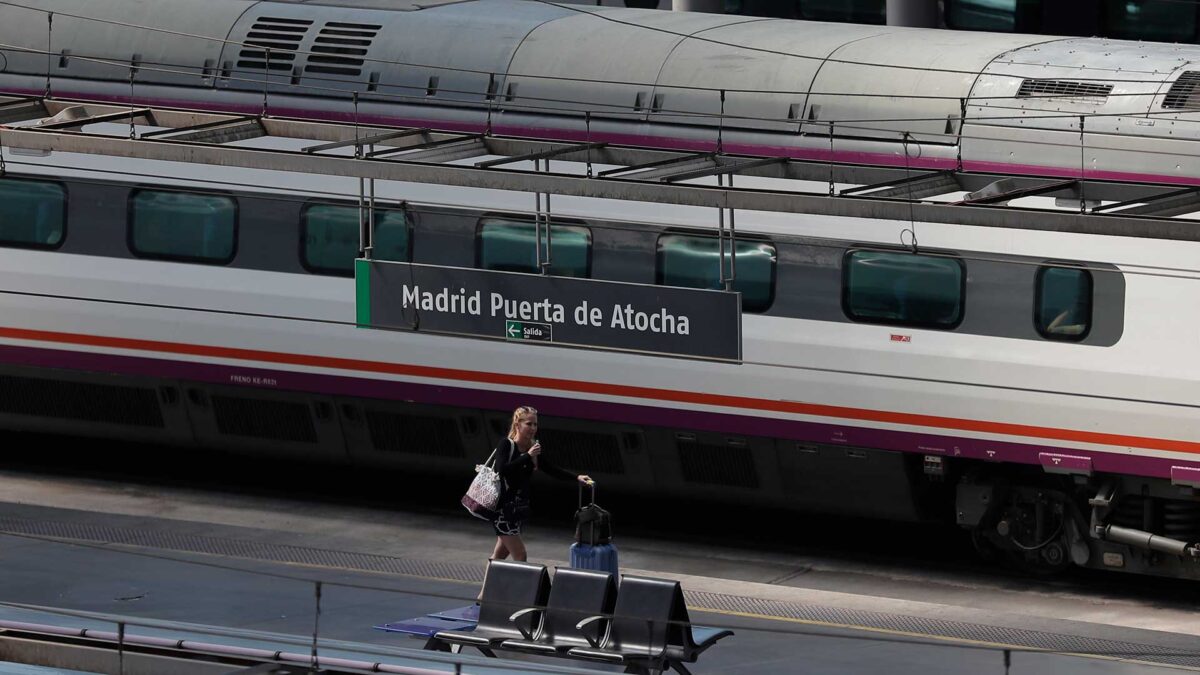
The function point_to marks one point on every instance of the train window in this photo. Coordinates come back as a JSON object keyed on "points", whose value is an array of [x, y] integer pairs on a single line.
{"points": [[995, 15], [183, 226], [509, 246], [32, 213], [1158, 20], [329, 237], [1064, 303], [693, 261], [854, 11], [904, 289]]}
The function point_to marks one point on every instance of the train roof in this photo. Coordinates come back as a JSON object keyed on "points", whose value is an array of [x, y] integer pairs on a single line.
{"points": [[619, 62]]}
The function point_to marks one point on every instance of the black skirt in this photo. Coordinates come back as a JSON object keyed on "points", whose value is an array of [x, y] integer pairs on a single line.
{"points": [[513, 514]]}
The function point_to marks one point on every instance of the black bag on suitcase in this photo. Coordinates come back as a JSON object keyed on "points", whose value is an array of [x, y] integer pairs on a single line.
{"points": [[593, 525], [593, 548]]}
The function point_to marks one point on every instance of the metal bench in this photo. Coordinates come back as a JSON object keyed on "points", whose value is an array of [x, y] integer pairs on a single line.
{"points": [[644, 627], [574, 595], [685, 642], [508, 586], [650, 630], [637, 629]]}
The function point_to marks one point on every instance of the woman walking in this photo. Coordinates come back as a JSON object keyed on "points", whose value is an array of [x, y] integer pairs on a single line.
{"points": [[517, 457]]}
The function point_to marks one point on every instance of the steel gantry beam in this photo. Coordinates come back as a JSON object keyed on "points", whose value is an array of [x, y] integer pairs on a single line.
{"points": [[1174, 203], [418, 156], [227, 131], [22, 109], [365, 141], [914, 187], [560, 152]]}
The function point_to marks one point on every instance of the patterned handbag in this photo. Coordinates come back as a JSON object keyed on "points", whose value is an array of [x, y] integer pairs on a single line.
{"points": [[484, 494]]}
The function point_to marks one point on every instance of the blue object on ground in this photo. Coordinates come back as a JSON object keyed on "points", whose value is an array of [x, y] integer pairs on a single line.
{"points": [[426, 626]]}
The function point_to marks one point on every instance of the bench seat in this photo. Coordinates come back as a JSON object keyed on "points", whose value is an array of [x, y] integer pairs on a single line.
{"points": [[426, 626]]}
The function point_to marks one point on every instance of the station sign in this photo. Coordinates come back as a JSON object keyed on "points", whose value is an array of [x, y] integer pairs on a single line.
{"points": [[546, 309]]}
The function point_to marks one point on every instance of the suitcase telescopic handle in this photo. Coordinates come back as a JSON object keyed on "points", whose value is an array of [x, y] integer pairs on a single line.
{"points": [[592, 494]]}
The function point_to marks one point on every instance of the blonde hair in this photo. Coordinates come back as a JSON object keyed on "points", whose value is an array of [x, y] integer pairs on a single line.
{"points": [[519, 414]]}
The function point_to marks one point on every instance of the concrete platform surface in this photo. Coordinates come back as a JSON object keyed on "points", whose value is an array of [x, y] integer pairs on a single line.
{"points": [[251, 564]]}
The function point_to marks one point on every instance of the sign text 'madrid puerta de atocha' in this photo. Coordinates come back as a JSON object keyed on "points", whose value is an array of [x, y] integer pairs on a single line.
{"points": [[545, 308]]}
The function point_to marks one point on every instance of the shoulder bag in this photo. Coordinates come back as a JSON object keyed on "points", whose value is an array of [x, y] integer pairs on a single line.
{"points": [[484, 494]]}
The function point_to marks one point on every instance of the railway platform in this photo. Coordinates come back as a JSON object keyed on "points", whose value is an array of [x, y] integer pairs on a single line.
{"points": [[257, 575]]}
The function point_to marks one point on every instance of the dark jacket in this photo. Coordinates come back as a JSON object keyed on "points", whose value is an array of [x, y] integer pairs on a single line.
{"points": [[516, 469]]}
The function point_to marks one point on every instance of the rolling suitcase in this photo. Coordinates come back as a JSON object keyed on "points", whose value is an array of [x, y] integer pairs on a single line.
{"points": [[593, 548]]}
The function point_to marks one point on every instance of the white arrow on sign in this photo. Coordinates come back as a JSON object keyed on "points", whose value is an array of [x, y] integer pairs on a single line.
{"points": [[514, 329]]}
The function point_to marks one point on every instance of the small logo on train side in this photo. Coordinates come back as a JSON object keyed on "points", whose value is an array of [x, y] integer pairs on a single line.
{"points": [[527, 330], [896, 337]]}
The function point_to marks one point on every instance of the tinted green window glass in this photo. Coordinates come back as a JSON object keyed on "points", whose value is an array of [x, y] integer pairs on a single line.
{"points": [[1064, 303], [692, 261], [855, 11], [508, 246], [997, 15], [32, 213], [183, 226], [1159, 20], [903, 289], [331, 237]]}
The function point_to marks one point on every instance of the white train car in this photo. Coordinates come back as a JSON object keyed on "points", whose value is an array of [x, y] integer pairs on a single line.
{"points": [[966, 260]]}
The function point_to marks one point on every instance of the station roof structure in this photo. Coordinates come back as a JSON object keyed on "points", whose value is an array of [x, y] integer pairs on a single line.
{"points": [[641, 173]]}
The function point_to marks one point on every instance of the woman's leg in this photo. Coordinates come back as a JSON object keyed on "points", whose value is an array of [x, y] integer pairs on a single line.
{"points": [[501, 551], [515, 547]]}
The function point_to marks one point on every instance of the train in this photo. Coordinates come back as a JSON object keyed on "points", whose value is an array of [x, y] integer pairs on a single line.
{"points": [[994, 331]]}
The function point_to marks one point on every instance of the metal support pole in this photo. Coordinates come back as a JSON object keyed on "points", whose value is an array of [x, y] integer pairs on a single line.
{"points": [[369, 244], [362, 218], [491, 100], [962, 121], [266, 81], [316, 627], [537, 224], [721, 126], [725, 283], [732, 239], [587, 121], [549, 241], [831, 158], [1082, 167], [120, 647], [132, 72], [49, 48], [362, 213]]}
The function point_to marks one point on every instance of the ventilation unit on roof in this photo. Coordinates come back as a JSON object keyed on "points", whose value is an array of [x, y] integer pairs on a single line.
{"points": [[340, 48], [281, 36], [1063, 89], [1183, 93]]}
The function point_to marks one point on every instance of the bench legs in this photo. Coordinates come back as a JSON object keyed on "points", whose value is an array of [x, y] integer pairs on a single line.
{"points": [[680, 668]]}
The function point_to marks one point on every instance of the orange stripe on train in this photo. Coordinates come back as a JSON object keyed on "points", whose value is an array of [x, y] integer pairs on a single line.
{"points": [[651, 393]]}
